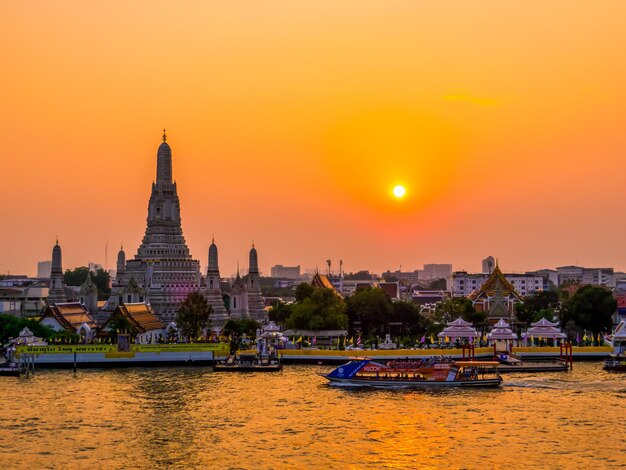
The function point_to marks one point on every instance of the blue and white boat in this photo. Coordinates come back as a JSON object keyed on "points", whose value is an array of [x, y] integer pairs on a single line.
{"points": [[416, 374]]}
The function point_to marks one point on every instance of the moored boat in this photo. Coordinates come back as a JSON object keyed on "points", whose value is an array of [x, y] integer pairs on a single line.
{"points": [[416, 374], [249, 362], [615, 364]]}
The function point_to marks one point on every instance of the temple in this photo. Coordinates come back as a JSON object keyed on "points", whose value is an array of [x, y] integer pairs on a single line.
{"points": [[163, 273], [163, 267], [56, 294], [497, 296]]}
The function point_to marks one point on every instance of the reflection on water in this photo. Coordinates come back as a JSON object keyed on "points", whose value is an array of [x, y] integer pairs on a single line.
{"points": [[192, 417]]}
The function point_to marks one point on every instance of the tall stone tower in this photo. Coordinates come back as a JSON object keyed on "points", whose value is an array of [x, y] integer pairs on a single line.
{"points": [[88, 295], [163, 266], [256, 303], [56, 294], [213, 293]]}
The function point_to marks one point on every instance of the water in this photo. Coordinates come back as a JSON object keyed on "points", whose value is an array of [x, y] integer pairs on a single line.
{"points": [[192, 417]]}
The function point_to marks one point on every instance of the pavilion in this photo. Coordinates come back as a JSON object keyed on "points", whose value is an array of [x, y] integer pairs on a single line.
{"points": [[545, 329], [459, 329], [502, 336]]}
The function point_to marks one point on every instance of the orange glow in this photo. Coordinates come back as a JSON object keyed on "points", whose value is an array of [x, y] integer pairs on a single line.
{"points": [[290, 122]]}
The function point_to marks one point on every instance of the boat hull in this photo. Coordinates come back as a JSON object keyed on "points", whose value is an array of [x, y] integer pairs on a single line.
{"points": [[355, 382], [247, 368]]}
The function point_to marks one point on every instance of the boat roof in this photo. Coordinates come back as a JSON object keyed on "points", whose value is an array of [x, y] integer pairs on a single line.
{"points": [[476, 363]]}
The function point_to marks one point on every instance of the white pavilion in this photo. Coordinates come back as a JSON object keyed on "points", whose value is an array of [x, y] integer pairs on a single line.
{"points": [[459, 329], [502, 336], [546, 330]]}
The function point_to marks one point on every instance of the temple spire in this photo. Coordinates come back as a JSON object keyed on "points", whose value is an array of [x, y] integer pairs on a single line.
{"points": [[164, 136], [164, 163]]}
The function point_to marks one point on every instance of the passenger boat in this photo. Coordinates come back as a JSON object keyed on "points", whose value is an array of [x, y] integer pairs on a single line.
{"points": [[249, 362], [416, 374], [615, 364]]}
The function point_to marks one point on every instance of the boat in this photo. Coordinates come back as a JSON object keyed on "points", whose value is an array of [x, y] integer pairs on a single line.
{"points": [[365, 372], [11, 370], [249, 362], [615, 364]]}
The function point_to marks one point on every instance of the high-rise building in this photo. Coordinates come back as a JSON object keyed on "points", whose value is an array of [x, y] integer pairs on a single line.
{"points": [[286, 272], [488, 264], [44, 268]]}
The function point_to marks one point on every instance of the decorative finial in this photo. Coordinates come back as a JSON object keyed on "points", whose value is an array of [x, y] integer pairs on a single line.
{"points": [[212, 238], [121, 247], [252, 243], [237, 268], [57, 239], [164, 136]]}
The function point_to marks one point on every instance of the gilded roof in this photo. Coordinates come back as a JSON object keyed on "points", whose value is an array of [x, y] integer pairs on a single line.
{"points": [[496, 280], [70, 315], [141, 316]]}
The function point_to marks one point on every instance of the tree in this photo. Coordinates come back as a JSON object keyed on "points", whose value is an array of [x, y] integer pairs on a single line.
{"points": [[542, 304], [280, 313], [193, 315], [407, 313], [438, 284], [322, 310], [236, 328], [358, 276], [304, 291], [591, 308], [451, 309], [10, 327], [372, 307], [77, 276]]}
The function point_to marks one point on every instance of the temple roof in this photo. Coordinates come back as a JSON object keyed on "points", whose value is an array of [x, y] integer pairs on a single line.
{"points": [[459, 328], [69, 315], [321, 281], [494, 281], [140, 316], [501, 330], [546, 329]]}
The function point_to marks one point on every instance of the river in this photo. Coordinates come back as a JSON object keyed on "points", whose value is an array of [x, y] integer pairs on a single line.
{"points": [[195, 418]]}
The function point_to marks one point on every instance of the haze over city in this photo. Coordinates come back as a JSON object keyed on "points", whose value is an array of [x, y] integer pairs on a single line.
{"points": [[291, 122]]}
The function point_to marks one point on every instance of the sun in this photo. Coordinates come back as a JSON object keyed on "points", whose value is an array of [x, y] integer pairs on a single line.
{"points": [[399, 191]]}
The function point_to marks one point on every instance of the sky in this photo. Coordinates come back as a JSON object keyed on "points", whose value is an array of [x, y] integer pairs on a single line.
{"points": [[291, 122]]}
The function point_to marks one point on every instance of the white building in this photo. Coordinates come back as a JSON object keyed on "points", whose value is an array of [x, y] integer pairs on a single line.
{"points": [[463, 283]]}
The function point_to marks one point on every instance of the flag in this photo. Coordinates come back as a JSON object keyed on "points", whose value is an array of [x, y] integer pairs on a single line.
{"points": [[484, 337], [293, 340], [423, 339], [585, 337], [299, 340], [314, 340], [532, 339], [471, 341], [432, 339], [351, 340], [577, 338], [599, 338], [447, 339], [358, 341]]}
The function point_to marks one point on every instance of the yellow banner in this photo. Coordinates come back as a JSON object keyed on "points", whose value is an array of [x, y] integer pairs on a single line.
{"points": [[217, 348], [67, 349]]}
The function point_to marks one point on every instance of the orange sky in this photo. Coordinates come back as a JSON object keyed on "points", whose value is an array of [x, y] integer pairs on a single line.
{"points": [[290, 122]]}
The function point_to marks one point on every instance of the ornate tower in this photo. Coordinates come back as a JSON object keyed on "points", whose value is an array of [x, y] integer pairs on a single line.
{"points": [[56, 293], [213, 292], [163, 267], [121, 262], [88, 295], [256, 303]]}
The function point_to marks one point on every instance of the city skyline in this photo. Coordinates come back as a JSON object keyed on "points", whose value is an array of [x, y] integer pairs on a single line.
{"points": [[290, 127]]}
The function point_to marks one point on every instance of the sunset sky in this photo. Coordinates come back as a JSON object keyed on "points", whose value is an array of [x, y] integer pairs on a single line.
{"points": [[291, 121]]}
